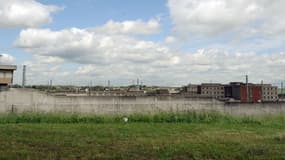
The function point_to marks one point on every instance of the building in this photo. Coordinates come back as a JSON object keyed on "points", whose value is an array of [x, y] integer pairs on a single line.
{"points": [[253, 94], [243, 92], [6, 76], [281, 97], [190, 90], [233, 90], [162, 92], [269, 93], [214, 90]]}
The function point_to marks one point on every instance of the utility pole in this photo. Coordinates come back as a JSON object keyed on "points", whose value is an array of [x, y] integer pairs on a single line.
{"points": [[90, 88], [138, 84], [109, 84], [261, 90], [247, 90], [24, 77], [282, 88], [50, 85]]}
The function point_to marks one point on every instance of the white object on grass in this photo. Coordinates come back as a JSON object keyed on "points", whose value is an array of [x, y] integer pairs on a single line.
{"points": [[125, 119]]}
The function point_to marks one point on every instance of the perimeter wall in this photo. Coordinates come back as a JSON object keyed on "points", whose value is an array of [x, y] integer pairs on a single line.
{"points": [[26, 100]]}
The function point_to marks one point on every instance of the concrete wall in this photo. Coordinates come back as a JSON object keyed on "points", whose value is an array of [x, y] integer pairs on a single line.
{"points": [[24, 100]]}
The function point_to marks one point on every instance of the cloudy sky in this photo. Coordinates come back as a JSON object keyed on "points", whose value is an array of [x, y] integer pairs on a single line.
{"points": [[162, 42]]}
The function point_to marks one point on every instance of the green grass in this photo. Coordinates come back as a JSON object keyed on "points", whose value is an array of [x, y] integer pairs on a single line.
{"points": [[160, 136]]}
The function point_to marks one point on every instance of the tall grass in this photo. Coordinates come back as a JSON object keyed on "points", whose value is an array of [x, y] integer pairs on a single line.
{"points": [[187, 117]]}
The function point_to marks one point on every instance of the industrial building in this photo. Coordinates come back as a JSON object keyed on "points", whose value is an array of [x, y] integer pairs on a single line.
{"points": [[213, 90], [243, 92], [251, 92], [234, 91], [269, 93], [6, 76], [190, 90]]}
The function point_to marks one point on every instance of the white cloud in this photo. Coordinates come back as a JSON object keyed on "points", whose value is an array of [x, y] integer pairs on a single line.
{"points": [[121, 57], [6, 58], [85, 70], [42, 69], [130, 27], [25, 13], [83, 46], [49, 60], [213, 17], [170, 39]]}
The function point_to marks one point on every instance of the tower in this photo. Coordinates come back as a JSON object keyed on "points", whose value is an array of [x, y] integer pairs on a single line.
{"points": [[24, 77]]}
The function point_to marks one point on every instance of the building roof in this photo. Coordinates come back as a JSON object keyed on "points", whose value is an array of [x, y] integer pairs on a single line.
{"points": [[8, 67], [211, 84]]}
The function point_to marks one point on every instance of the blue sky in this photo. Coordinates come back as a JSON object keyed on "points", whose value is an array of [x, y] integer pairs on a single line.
{"points": [[162, 42], [84, 14]]}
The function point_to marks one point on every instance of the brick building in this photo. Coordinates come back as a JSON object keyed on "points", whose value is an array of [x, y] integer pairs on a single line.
{"points": [[239, 91], [254, 93]]}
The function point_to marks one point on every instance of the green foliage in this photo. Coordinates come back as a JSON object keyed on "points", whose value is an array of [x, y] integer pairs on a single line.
{"points": [[160, 136], [187, 117]]}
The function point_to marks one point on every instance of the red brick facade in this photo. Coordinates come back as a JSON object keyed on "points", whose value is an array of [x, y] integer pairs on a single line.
{"points": [[254, 93]]}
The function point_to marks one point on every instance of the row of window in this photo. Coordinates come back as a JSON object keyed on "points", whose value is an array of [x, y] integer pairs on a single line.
{"points": [[270, 93], [221, 88], [269, 88], [270, 97], [212, 92]]}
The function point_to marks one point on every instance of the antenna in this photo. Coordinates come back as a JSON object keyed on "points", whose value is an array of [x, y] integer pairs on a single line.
{"points": [[24, 77]]}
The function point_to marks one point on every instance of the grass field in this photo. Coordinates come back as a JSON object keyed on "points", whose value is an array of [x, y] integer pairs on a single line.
{"points": [[163, 136]]}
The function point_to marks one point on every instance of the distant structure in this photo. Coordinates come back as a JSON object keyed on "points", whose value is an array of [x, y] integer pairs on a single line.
{"points": [[243, 92], [6, 76], [24, 77], [234, 92], [213, 90], [269, 93], [191, 90]]}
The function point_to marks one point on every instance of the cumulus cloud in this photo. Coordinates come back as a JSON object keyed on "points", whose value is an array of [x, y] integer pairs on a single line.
{"points": [[25, 13], [116, 56], [122, 56], [213, 17], [6, 58], [130, 27], [83, 46]]}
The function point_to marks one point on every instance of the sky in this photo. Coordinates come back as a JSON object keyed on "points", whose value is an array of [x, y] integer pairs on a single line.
{"points": [[161, 42]]}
